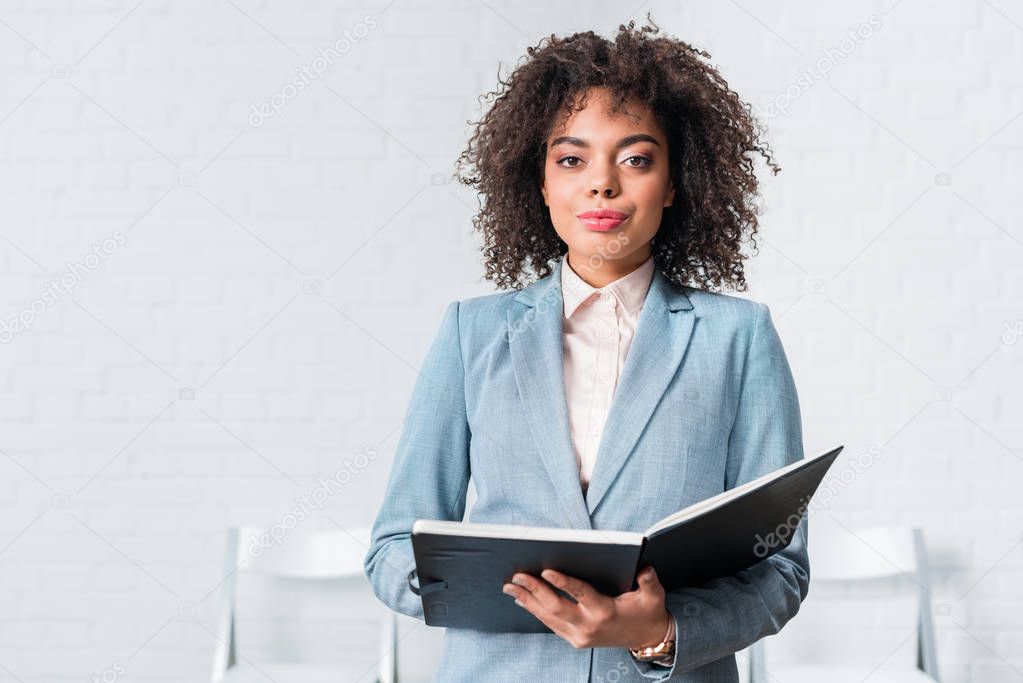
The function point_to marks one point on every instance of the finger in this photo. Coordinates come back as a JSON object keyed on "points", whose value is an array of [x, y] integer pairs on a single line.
{"points": [[550, 600], [529, 602], [650, 587], [649, 581], [649, 590], [577, 588]]}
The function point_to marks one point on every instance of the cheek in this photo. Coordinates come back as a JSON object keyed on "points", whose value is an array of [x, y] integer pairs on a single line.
{"points": [[561, 204], [649, 199], [558, 190], [651, 190]]}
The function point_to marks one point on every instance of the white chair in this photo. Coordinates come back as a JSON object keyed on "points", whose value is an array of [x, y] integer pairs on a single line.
{"points": [[315, 556], [860, 556]]}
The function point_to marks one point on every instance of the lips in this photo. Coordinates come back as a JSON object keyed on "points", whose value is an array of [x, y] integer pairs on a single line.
{"points": [[602, 219]]}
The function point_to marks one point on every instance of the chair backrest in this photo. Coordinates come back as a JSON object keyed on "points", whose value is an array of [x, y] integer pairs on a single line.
{"points": [[864, 554], [332, 554], [867, 553], [296, 555]]}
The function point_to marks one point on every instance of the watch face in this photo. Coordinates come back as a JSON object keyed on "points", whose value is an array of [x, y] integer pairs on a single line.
{"points": [[662, 652]]}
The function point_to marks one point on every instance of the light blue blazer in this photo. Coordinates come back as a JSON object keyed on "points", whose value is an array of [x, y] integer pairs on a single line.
{"points": [[705, 402]]}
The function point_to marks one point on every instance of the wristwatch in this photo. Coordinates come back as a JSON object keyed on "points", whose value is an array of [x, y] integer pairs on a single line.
{"points": [[663, 651]]}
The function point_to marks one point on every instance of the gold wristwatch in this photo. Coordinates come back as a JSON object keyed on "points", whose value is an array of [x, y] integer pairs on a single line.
{"points": [[662, 651]]}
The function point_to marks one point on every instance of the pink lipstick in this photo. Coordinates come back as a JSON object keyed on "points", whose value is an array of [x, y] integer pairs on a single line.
{"points": [[602, 219]]}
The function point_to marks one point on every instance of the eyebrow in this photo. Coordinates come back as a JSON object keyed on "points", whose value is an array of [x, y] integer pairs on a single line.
{"points": [[624, 142]]}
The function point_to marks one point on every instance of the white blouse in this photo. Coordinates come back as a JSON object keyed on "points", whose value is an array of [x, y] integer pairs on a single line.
{"points": [[599, 325]]}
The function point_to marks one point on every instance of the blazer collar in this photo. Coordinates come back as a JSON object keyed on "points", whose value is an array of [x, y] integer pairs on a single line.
{"points": [[673, 297], [535, 341]]}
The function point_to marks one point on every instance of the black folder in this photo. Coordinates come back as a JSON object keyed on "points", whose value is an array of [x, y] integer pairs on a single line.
{"points": [[461, 566]]}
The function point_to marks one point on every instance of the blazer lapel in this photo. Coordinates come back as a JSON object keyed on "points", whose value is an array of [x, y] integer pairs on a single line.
{"points": [[662, 336], [535, 342]]}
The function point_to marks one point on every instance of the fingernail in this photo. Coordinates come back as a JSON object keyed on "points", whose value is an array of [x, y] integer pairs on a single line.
{"points": [[519, 602], [518, 582]]}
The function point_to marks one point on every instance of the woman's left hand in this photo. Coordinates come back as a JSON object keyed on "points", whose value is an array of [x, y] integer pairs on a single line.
{"points": [[634, 619]]}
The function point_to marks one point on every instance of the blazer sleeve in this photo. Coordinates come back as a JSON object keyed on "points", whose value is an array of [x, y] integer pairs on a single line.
{"points": [[429, 477], [726, 615]]}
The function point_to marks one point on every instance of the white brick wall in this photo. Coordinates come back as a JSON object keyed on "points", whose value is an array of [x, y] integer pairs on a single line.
{"points": [[891, 254]]}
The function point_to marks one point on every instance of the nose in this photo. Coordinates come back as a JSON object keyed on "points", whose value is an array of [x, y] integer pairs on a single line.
{"points": [[604, 183]]}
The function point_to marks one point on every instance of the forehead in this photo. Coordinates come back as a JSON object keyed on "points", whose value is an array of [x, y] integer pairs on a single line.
{"points": [[597, 121]]}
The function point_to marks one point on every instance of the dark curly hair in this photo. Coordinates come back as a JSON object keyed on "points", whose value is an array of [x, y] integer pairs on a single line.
{"points": [[711, 136]]}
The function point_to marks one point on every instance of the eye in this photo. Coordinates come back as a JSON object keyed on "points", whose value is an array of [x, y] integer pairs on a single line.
{"points": [[563, 159], [645, 161]]}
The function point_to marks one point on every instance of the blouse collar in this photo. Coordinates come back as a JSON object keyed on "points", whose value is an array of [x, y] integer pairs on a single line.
{"points": [[630, 290]]}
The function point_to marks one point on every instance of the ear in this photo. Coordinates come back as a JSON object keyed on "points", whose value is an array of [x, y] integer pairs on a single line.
{"points": [[671, 194], [543, 191]]}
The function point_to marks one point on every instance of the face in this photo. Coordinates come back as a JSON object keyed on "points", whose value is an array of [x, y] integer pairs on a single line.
{"points": [[616, 163]]}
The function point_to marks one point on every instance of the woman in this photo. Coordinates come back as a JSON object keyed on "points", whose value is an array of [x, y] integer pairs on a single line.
{"points": [[618, 386]]}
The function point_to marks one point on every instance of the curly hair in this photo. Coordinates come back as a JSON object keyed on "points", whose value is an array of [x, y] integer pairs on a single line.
{"points": [[711, 133]]}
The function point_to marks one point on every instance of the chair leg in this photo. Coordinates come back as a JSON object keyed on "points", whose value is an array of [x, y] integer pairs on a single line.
{"points": [[389, 650], [927, 653], [757, 656]]}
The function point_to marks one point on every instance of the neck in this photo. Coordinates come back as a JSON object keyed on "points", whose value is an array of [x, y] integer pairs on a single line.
{"points": [[600, 272]]}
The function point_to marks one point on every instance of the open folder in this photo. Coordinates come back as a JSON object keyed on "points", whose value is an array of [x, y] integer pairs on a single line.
{"points": [[461, 566]]}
